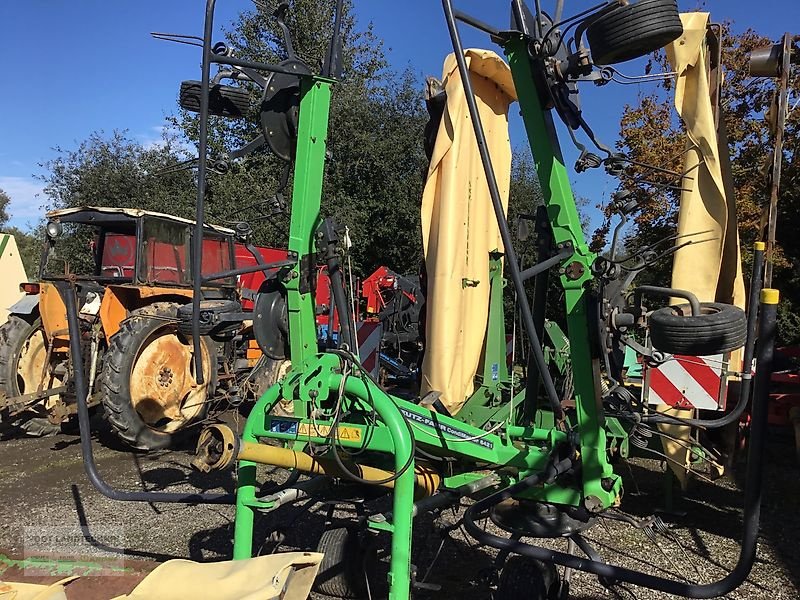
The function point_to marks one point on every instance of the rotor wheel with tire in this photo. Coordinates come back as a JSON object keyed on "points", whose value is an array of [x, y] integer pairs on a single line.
{"points": [[527, 579], [148, 386], [341, 572], [719, 328], [23, 354], [633, 30]]}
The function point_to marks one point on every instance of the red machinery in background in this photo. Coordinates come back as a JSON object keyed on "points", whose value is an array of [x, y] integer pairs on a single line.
{"points": [[387, 322], [250, 283], [784, 404]]}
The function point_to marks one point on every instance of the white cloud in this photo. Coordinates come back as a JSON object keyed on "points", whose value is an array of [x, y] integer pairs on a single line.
{"points": [[27, 198], [154, 138]]}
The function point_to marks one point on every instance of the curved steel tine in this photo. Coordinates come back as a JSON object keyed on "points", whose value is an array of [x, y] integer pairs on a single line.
{"points": [[178, 38]]}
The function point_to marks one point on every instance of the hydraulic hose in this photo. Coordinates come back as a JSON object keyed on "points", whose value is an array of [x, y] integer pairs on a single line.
{"points": [[329, 240], [340, 300], [752, 500], [67, 293], [549, 475]]}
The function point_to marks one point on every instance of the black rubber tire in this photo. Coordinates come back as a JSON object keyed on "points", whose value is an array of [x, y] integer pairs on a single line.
{"points": [[634, 30], [527, 579], [720, 328], [341, 572], [13, 335], [114, 381], [223, 100]]}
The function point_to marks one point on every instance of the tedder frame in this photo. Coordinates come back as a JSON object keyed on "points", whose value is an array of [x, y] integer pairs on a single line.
{"points": [[508, 443]]}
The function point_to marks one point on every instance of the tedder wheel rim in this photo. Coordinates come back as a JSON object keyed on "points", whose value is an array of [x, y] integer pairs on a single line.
{"points": [[163, 388], [31, 369]]}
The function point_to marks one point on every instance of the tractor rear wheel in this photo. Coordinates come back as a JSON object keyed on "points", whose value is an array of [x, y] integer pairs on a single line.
{"points": [[269, 373], [23, 353], [148, 386]]}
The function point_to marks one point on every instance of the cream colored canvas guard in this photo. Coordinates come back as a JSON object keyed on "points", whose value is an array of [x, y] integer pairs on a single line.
{"points": [[12, 272], [459, 227], [711, 270], [34, 591], [287, 576]]}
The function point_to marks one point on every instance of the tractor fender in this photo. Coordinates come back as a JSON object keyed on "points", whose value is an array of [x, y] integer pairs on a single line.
{"points": [[25, 305]]}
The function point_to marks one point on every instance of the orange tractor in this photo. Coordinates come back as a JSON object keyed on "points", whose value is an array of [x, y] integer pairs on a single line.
{"points": [[132, 283]]}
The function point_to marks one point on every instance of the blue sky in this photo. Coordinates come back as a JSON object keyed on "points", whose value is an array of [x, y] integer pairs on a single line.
{"points": [[79, 66]]}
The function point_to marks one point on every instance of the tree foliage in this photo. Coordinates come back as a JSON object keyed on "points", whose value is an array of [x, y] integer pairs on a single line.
{"points": [[28, 243], [525, 196], [4, 202], [374, 176], [651, 133], [116, 170]]}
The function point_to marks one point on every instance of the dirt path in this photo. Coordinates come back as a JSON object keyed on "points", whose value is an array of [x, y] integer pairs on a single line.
{"points": [[44, 490]]}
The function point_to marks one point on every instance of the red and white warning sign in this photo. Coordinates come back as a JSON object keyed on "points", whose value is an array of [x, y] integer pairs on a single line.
{"points": [[369, 335], [688, 382]]}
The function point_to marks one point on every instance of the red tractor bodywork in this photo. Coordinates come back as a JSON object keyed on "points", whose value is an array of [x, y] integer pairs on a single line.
{"points": [[253, 281]]}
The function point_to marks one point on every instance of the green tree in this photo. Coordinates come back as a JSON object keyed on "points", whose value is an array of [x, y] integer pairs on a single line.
{"points": [[114, 171], [118, 171], [4, 202], [374, 177]]}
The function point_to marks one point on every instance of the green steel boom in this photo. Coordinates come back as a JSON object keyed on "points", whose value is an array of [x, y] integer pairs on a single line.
{"points": [[316, 377]]}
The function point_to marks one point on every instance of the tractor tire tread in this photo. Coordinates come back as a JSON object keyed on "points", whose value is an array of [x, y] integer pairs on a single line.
{"points": [[340, 574], [114, 390], [633, 30], [13, 334], [527, 579]]}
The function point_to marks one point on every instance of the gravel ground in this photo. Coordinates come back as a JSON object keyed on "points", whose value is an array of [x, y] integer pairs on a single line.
{"points": [[42, 484]]}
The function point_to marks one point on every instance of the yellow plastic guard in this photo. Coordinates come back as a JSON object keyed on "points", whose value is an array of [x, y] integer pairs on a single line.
{"points": [[12, 272], [459, 228], [287, 576], [34, 591], [712, 270]]}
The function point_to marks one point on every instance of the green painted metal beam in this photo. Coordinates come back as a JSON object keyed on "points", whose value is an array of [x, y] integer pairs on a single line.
{"points": [[601, 487], [315, 97]]}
